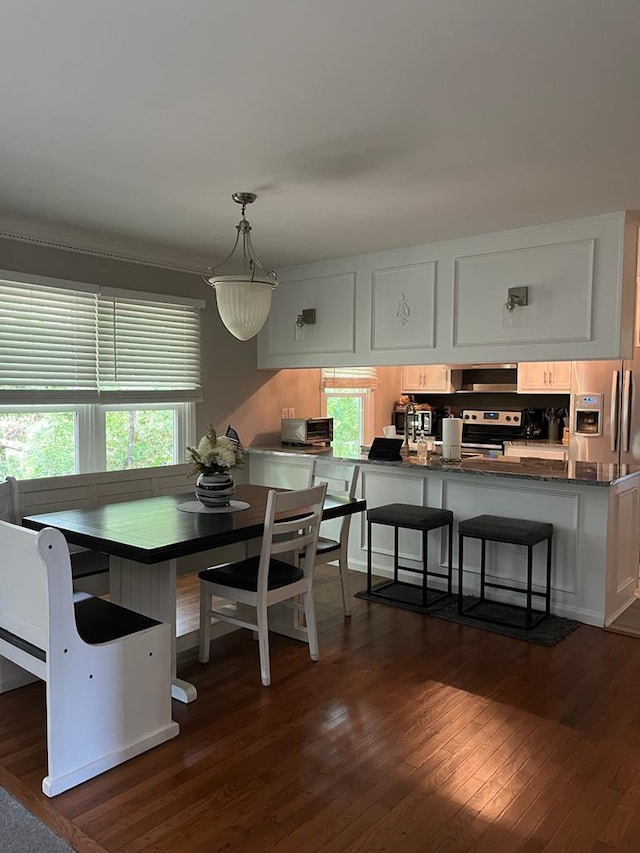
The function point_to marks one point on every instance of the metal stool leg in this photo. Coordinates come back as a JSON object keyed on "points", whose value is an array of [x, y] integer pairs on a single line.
{"points": [[450, 580], [396, 548], [424, 568], [548, 595], [483, 568], [529, 583], [460, 570], [368, 558]]}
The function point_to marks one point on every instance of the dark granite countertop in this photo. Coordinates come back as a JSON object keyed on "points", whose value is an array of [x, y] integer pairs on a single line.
{"points": [[530, 468]]}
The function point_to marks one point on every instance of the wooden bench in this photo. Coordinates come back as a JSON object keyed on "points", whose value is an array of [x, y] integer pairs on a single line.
{"points": [[50, 494], [107, 669]]}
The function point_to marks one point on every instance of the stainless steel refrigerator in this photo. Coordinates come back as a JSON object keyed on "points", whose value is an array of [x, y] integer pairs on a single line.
{"points": [[604, 417]]}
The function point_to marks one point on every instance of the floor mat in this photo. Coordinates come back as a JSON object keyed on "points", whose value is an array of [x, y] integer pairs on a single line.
{"points": [[22, 832], [549, 632]]}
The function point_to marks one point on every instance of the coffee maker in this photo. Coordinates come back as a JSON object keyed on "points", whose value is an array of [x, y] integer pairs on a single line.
{"points": [[425, 421], [533, 423]]}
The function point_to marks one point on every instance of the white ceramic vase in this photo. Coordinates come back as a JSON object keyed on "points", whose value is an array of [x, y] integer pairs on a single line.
{"points": [[215, 489]]}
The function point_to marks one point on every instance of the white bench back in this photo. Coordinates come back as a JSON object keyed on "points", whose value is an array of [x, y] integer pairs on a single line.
{"points": [[24, 580], [9, 499], [51, 494]]}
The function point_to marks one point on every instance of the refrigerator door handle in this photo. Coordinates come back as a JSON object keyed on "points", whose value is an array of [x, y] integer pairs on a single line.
{"points": [[625, 432], [613, 411]]}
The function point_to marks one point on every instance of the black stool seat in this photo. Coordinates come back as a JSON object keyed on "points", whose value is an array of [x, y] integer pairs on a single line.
{"points": [[424, 519], [512, 531], [515, 531], [411, 517]]}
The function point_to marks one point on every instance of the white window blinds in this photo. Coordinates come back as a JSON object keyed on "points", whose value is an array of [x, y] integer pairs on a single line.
{"points": [[350, 377], [147, 349], [68, 345]]}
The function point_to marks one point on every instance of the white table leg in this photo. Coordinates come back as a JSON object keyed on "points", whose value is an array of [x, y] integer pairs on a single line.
{"points": [[151, 590]]}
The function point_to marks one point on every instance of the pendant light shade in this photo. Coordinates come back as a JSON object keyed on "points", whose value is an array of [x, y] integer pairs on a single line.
{"points": [[243, 304], [243, 300]]}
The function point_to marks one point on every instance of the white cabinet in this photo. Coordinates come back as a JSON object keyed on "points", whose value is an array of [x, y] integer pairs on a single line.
{"points": [[544, 376], [445, 303], [536, 451], [427, 378], [329, 342]]}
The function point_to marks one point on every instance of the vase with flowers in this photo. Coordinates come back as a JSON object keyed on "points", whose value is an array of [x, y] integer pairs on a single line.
{"points": [[212, 460]]}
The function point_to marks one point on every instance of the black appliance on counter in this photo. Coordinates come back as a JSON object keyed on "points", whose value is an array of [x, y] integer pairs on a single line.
{"points": [[427, 421]]}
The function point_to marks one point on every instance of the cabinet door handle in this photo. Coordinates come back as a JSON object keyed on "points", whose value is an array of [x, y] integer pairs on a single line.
{"points": [[550, 378], [545, 378]]}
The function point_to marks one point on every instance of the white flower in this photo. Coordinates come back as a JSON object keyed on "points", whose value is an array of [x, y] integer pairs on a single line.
{"points": [[214, 455]]}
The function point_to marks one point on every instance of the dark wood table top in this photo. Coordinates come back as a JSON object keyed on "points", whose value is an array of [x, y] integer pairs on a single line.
{"points": [[152, 530]]}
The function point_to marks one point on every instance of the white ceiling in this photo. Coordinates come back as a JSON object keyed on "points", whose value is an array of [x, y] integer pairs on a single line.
{"points": [[361, 124]]}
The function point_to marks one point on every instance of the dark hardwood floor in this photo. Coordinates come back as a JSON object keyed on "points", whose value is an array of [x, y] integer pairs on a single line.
{"points": [[410, 734]]}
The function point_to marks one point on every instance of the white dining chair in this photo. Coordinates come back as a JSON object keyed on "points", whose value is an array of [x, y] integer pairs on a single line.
{"points": [[291, 526], [341, 479]]}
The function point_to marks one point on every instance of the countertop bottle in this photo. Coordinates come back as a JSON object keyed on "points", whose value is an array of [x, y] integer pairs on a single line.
{"points": [[422, 448]]}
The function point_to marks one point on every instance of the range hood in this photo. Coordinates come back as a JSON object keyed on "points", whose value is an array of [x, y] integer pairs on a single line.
{"points": [[471, 378]]}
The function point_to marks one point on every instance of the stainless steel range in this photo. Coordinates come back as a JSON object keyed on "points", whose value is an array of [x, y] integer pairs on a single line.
{"points": [[485, 430]]}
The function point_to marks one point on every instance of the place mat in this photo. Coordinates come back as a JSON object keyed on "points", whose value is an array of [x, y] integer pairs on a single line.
{"points": [[547, 633], [196, 506]]}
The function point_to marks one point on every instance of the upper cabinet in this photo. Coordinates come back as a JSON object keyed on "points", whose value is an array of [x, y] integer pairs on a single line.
{"points": [[544, 376], [430, 378], [461, 301], [327, 342]]}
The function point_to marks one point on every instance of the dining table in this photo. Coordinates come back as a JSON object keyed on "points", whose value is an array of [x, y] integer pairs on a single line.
{"points": [[144, 538]]}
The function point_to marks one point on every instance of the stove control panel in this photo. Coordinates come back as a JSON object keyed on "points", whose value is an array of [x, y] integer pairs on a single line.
{"points": [[491, 417]]}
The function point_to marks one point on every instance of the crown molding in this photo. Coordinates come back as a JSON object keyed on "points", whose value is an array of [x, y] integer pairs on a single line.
{"points": [[46, 237]]}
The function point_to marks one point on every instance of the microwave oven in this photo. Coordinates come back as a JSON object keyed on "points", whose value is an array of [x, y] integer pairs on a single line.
{"points": [[306, 431], [422, 421]]}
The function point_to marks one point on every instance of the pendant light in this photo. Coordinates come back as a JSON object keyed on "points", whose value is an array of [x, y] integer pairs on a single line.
{"points": [[243, 299]]}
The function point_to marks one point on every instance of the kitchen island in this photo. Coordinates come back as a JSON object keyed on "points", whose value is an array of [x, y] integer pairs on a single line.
{"points": [[594, 509]]}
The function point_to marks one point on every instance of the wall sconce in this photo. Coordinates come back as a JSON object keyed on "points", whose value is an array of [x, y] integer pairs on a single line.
{"points": [[517, 297], [307, 317]]}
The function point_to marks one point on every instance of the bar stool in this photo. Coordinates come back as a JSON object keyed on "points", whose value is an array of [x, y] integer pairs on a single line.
{"points": [[513, 531], [412, 518]]}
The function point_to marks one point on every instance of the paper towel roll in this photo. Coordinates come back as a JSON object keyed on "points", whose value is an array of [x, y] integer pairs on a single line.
{"points": [[451, 438]]}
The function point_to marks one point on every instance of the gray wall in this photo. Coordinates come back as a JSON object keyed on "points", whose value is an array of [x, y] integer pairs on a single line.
{"points": [[235, 391], [229, 373]]}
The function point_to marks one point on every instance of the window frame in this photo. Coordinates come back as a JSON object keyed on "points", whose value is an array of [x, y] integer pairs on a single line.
{"points": [[87, 401], [367, 408], [90, 428]]}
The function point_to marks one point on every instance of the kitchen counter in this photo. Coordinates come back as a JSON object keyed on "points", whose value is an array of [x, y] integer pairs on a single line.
{"points": [[583, 473], [593, 508]]}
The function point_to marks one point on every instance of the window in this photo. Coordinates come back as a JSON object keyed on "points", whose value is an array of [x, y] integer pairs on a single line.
{"points": [[53, 441], [37, 443], [348, 396], [93, 378]]}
